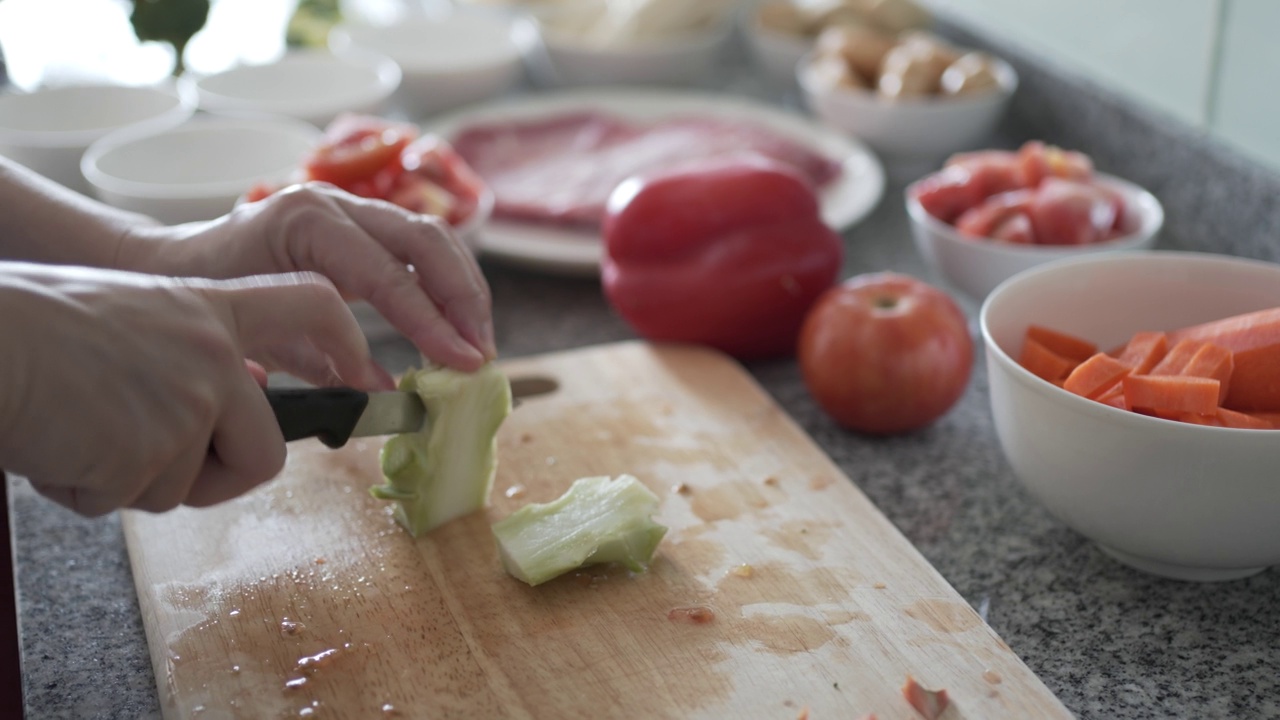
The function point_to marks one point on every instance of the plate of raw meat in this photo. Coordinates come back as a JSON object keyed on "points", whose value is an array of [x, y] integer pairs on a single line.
{"points": [[552, 160]]}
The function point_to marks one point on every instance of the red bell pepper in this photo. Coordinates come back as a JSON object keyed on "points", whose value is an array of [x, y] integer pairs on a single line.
{"points": [[729, 254]]}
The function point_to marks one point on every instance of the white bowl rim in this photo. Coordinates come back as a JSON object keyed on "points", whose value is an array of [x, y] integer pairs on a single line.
{"points": [[1076, 402], [342, 40], [748, 20], [184, 108], [1005, 74], [1150, 206], [186, 191], [680, 42], [386, 71]]}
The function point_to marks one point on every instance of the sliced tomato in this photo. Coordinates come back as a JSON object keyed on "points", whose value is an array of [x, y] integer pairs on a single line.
{"points": [[982, 220], [992, 171], [1016, 230], [1037, 161], [358, 156], [947, 194], [1066, 212], [417, 194], [433, 161]]}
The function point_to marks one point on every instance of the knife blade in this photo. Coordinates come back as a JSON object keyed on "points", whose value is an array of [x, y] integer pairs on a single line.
{"points": [[335, 415]]}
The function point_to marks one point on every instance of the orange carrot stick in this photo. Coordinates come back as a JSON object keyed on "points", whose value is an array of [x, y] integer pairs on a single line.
{"points": [[1212, 361], [1233, 419], [1144, 350], [1043, 362], [1177, 358], [1197, 419], [1238, 332], [1171, 393], [1268, 417], [1060, 343], [1114, 397], [1254, 338], [1095, 376]]}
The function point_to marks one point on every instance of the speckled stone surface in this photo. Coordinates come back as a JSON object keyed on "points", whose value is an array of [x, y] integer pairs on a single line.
{"points": [[1110, 642]]}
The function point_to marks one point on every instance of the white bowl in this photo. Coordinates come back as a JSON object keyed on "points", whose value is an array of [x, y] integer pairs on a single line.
{"points": [[447, 62], [911, 130], [311, 85], [48, 130], [975, 266], [1174, 499], [777, 53], [198, 170], [558, 60]]}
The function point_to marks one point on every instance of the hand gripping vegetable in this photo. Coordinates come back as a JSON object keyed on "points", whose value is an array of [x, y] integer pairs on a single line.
{"points": [[729, 254]]}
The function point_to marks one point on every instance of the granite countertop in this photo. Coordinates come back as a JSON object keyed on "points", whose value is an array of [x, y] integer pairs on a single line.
{"points": [[1109, 641]]}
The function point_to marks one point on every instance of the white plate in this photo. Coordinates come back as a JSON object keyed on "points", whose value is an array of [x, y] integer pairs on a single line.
{"points": [[554, 249]]}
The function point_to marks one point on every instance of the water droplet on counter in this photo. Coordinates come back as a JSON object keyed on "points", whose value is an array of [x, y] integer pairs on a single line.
{"points": [[388, 709], [295, 683], [992, 677], [289, 627], [320, 659], [235, 668], [515, 491], [234, 613], [306, 712]]}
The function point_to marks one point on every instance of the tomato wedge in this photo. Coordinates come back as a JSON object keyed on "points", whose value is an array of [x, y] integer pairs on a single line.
{"points": [[358, 156]]}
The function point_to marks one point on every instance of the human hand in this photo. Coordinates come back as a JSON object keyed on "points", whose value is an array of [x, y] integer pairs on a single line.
{"points": [[128, 390], [411, 267]]}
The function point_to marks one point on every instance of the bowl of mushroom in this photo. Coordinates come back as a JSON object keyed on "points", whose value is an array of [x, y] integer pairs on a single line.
{"points": [[914, 98], [780, 32]]}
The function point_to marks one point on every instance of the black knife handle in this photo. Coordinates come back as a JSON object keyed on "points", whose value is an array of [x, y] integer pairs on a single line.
{"points": [[326, 413]]}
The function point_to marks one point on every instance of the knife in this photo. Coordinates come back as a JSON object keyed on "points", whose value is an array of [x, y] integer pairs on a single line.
{"points": [[335, 415]]}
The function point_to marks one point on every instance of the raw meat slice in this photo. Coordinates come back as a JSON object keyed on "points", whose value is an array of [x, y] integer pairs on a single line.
{"points": [[561, 169]]}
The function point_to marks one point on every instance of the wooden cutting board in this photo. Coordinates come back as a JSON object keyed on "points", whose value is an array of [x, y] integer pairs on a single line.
{"points": [[305, 598]]}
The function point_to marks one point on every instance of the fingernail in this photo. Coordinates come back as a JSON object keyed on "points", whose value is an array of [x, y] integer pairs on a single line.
{"points": [[488, 345], [473, 358]]}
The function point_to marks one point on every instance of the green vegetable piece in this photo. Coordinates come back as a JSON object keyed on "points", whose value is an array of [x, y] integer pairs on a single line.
{"points": [[599, 520], [446, 470], [171, 21], [311, 22]]}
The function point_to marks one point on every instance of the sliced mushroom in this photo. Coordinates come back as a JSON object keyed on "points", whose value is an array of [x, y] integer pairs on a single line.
{"points": [[862, 47], [972, 73]]}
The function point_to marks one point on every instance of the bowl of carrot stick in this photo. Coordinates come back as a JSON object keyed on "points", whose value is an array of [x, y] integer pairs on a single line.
{"points": [[1137, 396]]}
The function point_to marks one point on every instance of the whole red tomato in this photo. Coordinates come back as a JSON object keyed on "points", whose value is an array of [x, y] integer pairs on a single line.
{"points": [[885, 353]]}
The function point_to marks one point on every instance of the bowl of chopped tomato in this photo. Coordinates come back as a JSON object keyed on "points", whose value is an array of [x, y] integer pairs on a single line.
{"points": [[988, 215], [374, 158], [1137, 396]]}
